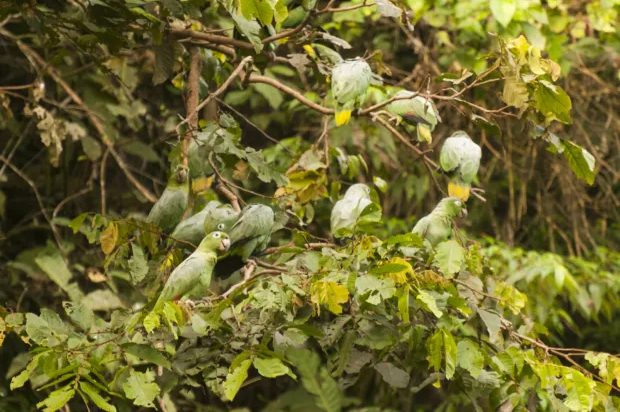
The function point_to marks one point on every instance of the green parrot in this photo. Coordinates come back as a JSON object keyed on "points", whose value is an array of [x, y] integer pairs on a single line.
{"points": [[214, 216], [167, 212], [347, 211], [416, 110], [460, 157], [437, 225], [252, 231], [350, 81], [192, 277]]}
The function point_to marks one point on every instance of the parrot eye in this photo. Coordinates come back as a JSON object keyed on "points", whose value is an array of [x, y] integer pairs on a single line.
{"points": [[217, 234], [220, 226]]}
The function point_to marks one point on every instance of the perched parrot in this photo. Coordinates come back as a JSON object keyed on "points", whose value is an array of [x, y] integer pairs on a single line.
{"points": [[214, 216], [437, 225], [347, 211], [192, 277], [460, 157], [350, 81], [416, 110], [167, 212], [252, 231]]}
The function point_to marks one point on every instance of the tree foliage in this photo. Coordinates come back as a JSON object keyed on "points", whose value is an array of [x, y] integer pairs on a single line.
{"points": [[108, 105]]}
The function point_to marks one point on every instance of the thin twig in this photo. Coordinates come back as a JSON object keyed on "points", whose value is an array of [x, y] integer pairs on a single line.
{"points": [[102, 189], [30, 183]]}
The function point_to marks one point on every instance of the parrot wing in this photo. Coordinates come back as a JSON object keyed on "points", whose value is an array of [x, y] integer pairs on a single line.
{"points": [[450, 154], [470, 161], [255, 221], [169, 208], [185, 276], [191, 229]]}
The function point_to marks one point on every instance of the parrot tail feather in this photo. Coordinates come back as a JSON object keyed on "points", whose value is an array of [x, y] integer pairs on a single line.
{"points": [[460, 190], [343, 117]]}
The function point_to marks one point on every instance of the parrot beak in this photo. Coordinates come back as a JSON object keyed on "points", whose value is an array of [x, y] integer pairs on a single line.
{"points": [[464, 212], [224, 244]]}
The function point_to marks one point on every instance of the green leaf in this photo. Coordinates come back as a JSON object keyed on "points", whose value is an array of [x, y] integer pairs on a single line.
{"points": [[493, 323], [237, 374], [151, 322], [579, 389], [429, 301], [450, 354], [271, 367], [53, 264], [515, 91], [316, 379], [80, 314], [138, 267], [102, 299], [441, 346], [552, 101], [91, 147], [469, 357], [449, 257], [503, 10], [93, 394], [392, 375], [147, 353], [141, 388], [57, 399], [164, 61], [580, 161], [19, 380], [271, 94]]}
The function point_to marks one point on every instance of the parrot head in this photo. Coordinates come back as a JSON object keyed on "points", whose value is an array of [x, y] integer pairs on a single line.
{"points": [[220, 218], [452, 206], [215, 241]]}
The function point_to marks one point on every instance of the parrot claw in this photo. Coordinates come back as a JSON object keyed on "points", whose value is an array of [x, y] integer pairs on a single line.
{"points": [[190, 304], [249, 269]]}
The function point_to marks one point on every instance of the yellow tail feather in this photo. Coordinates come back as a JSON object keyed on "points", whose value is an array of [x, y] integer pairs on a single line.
{"points": [[459, 190], [424, 133], [310, 51], [343, 117]]}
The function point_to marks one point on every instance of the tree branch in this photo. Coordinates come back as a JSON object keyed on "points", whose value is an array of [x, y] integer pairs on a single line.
{"points": [[211, 38], [192, 93], [255, 78], [235, 73]]}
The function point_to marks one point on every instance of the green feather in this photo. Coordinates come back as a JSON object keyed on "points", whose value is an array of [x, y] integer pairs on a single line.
{"points": [[437, 225], [192, 277], [167, 212], [251, 233]]}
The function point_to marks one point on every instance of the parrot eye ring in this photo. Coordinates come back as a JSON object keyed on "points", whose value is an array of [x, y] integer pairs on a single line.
{"points": [[216, 235], [220, 226]]}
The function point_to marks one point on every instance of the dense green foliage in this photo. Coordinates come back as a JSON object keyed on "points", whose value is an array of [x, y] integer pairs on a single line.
{"points": [[264, 117]]}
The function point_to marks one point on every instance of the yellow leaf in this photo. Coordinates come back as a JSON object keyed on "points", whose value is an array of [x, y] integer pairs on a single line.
{"points": [[330, 294], [108, 238], [95, 276]]}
